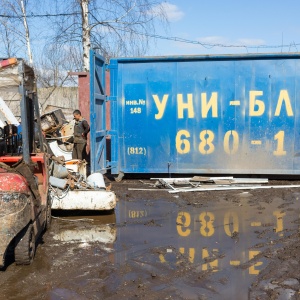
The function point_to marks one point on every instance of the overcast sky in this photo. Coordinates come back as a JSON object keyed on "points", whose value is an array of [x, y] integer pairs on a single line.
{"points": [[231, 22]]}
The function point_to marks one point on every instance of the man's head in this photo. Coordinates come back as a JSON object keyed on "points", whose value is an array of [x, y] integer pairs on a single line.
{"points": [[77, 114]]}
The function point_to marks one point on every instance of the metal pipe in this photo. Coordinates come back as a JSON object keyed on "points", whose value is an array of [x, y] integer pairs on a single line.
{"points": [[25, 126]]}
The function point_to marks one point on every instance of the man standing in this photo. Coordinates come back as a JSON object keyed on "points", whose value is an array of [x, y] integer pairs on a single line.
{"points": [[81, 129]]}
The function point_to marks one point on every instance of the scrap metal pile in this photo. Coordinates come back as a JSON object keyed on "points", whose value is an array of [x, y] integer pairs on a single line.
{"points": [[71, 175], [70, 187], [205, 184], [58, 133], [66, 173]]}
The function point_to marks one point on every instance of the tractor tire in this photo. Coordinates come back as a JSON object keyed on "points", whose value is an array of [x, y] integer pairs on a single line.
{"points": [[25, 246]]}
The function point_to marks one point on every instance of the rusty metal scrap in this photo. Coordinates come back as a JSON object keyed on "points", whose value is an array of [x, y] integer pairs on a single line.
{"points": [[74, 181]]}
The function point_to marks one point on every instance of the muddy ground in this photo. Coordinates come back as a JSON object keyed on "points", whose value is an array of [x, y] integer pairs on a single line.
{"points": [[156, 245]]}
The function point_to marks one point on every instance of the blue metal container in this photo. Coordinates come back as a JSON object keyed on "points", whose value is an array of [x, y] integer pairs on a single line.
{"points": [[206, 114]]}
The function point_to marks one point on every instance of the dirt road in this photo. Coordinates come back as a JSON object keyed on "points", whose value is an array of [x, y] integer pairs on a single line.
{"points": [[156, 245]]}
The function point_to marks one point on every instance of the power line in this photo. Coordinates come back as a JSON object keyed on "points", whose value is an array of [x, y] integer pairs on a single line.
{"points": [[156, 36], [207, 45], [40, 16]]}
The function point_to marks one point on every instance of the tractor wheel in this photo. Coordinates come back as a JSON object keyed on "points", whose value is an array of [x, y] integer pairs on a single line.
{"points": [[25, 246]]}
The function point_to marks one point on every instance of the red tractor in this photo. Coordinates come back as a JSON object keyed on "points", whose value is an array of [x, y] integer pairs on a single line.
{"points": [[25, 208]]}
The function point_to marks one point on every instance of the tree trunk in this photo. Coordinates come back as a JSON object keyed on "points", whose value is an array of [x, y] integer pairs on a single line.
{"points": [[86, 38], [26, 32]]}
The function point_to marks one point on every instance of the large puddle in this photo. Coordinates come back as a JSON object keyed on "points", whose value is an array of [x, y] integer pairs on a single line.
{"points": [[218, 246], [178, 251]]}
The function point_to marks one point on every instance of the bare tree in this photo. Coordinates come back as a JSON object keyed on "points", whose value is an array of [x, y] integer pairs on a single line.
{"points": [[86, 32], [9, 45], [54, 63], [72, 27], [14, 27], [114, 27], [26, 29]]}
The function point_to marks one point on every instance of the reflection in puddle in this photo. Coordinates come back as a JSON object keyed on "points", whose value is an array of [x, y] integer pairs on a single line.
{"points": [[101, 233], [86, 229], [222, 245]]}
